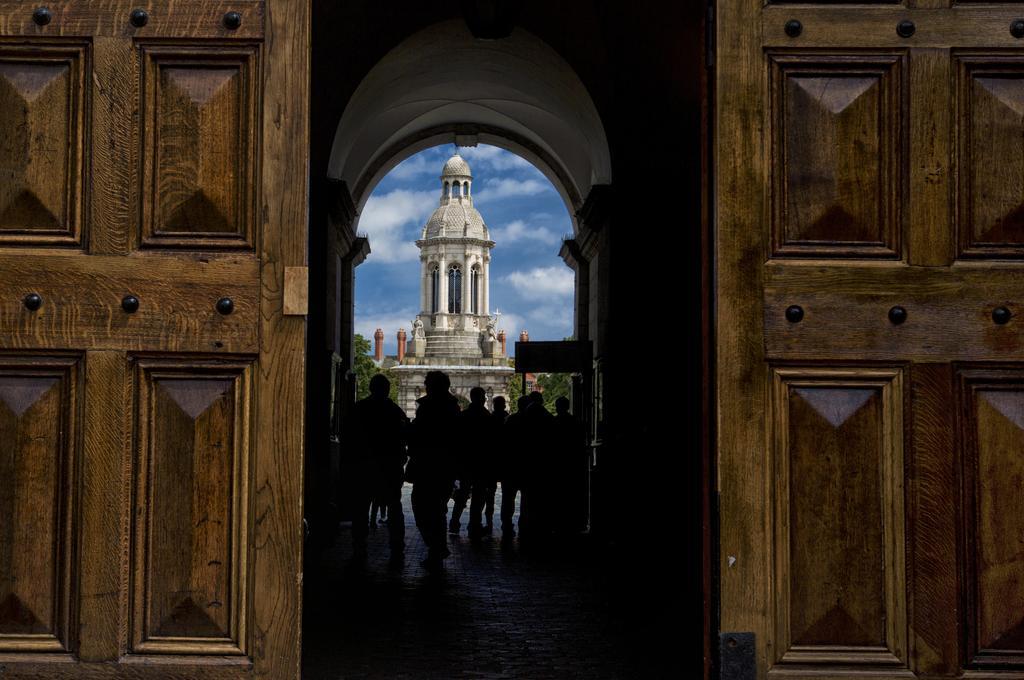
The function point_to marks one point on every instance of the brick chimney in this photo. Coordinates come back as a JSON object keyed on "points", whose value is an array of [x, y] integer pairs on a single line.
{"points": [[401, 344], [378, 345], [502, 338], [524, 336]]}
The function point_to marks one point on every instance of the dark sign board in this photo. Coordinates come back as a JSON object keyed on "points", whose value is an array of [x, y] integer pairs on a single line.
{"points": [[566, 356]]}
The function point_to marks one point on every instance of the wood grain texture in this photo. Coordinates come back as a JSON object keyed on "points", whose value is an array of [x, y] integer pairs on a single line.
{"points": [[296, 291], [741, 245], [65, 667], [178, 19], [932, 495], [39, 428], [930, 178], [43, 101], [104, 512], [82, 302], [199, 145], [839, 27], [277, 484], [191, 506], [991, 435], [990, 152], [846, 313], [839, 516], [114, 185], [836, 155]]}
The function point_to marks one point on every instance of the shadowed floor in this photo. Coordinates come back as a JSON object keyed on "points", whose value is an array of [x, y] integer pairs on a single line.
{"points": [[493, 613]]}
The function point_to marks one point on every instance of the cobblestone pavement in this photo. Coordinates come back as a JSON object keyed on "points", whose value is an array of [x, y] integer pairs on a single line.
{"points": [[493, 613]]}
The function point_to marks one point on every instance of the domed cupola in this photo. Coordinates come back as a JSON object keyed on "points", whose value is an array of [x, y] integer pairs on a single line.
{"points": [[455, 216], [456, 167]]}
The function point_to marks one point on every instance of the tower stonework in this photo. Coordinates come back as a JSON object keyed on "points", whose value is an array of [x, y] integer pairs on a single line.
{"points": [[454, 331]]}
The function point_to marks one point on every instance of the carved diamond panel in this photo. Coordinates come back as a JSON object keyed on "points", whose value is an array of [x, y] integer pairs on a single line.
{"points": [[992, 432], [41, 144], [836, 155], [200, 146], [990, 126], [839, 516], [37, 441], [191, 508]]}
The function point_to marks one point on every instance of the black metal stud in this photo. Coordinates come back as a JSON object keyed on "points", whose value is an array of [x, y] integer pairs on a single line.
{"points": [[794, 313], [905, 28], [139, 17], [897, 315], [33, 301], [1017, 28], [42, 16], [225, 306], [232, 20], [1001, 315], [793, 28], [130, 304]]}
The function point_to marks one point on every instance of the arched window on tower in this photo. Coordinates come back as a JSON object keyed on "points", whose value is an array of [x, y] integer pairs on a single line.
{"points": [[455, 188], [447, 189], [465, 188], [435, 289], [454, 289], [475, 287]]}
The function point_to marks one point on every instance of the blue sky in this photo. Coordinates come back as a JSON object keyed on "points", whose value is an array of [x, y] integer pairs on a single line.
{"points": [[530, 285]]}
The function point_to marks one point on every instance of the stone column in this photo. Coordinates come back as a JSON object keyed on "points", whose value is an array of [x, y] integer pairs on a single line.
{"points": [[443, 287], [485, 301], [467, 286], [424, 287]]}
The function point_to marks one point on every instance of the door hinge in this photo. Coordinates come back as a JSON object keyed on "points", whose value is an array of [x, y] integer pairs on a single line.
{"points": [[737, 656], [296, 291]]}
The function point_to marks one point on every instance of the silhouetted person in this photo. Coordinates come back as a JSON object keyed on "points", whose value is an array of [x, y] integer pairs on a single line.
{"points": [[511, 467], [538, 488], [479, 463], [379, 452], [432, 464], [495, 436], [464, 462], [570, 468]]}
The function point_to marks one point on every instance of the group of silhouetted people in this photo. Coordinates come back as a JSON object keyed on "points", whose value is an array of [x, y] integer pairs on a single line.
{"points": [[463, 454]]}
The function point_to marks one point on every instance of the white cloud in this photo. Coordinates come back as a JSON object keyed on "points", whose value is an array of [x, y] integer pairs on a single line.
{"points": [[507, 186], [414, 166], [511, 323], [388, 321], [494, 157], [541, 283], [519, 231], [392, 222]]}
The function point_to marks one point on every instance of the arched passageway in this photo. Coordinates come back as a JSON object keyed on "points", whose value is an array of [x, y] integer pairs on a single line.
{"points": [[558, 98]]}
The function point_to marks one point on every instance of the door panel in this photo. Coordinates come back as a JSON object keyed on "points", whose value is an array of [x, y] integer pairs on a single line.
{"points": [[191, 557], [836, 156], [161, 493], [992, 434], [42, 135], [837, 453], [990, 93], [39, 427], [871, 176], [199, 151]]}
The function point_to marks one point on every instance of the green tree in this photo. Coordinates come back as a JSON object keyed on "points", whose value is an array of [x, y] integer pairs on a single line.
{"points": [[554, 385], [365, 369], [515, 388]]}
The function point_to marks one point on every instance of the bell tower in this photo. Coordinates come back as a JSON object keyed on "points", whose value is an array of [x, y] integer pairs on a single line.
{"points": [[454, 330]]}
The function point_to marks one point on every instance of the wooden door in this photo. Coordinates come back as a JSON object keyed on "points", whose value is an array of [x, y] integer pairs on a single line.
{"points": [[869, 320], [152, 192]]}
